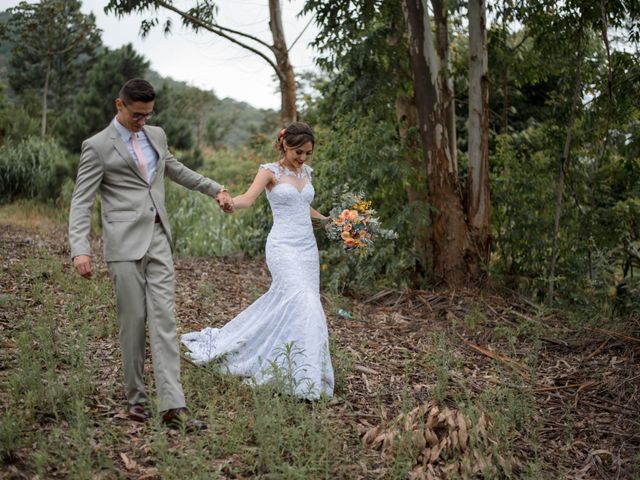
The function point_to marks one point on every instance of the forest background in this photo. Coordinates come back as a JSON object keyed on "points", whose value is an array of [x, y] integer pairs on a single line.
{"points": [[555, 147], [562, 140]]}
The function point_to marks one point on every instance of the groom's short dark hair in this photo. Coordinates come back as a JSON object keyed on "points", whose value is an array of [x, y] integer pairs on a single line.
{"points": [[137, 90]]}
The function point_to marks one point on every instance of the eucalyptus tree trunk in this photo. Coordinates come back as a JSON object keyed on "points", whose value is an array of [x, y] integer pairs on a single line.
{"points": [[561, 174], [442, 46], [478, 201], [45, 94], [452, 250], [285, 74]]}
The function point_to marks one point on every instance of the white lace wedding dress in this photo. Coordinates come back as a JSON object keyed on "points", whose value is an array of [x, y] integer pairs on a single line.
{"points": [[282, 337]]}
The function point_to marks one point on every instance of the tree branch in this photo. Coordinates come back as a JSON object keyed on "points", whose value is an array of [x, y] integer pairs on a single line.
{"points": [[300, 34], [242, 34], [220, 32]]}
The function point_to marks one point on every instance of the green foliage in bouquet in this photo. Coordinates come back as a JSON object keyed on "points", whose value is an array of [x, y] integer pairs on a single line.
{"points": [[355, 224]]}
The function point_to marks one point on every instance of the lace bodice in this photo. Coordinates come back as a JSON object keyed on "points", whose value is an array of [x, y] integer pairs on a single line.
{"points": [[291, 196], [279, 170]]}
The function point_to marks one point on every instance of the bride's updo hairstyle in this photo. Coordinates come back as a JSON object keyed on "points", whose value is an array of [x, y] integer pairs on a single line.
{"points": [[294, 135]]}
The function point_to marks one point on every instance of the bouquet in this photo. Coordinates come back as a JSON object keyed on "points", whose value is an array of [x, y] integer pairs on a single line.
{"points": [[354, 222]]}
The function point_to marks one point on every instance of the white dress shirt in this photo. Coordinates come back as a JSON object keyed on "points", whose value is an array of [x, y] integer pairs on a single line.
{"points": [[148, 150]]}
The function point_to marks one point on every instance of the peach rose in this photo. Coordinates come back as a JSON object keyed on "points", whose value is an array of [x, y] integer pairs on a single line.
{"points": [[346, 236]]}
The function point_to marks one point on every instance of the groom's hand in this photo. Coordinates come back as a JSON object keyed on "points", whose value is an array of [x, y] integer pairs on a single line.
{"points": [[82, 263], [224, 200]]}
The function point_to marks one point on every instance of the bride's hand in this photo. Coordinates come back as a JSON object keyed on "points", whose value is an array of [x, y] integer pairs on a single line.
{"points": [[319, 222], [224, 200]]}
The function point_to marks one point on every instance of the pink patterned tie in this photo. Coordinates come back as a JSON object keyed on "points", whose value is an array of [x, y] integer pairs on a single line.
{"points": [[142, 160]]}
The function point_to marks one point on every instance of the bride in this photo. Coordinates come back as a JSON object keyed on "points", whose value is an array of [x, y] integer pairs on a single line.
{"points": [[282, 337]]}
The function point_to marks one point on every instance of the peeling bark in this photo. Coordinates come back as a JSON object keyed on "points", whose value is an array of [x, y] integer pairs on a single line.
{"points": [[448, 96], [449, 235], [478, 201]]}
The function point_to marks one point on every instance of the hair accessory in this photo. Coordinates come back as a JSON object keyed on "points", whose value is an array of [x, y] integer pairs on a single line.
{"points": [[282, 132]]}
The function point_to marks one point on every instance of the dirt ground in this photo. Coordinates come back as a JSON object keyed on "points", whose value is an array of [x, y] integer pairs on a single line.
{"points": [[570, 390]]}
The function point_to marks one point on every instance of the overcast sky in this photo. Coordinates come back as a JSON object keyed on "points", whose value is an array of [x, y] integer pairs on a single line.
{"points": [[205, 60]]}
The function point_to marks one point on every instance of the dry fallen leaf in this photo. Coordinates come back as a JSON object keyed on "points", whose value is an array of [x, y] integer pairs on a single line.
{"points": [[128, 463]]}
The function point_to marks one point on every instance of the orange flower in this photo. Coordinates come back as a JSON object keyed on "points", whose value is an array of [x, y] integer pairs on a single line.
{"points": [[344, 215], [362, 205], [346, 236], [347, 227], [349, 242], [352, 215]]}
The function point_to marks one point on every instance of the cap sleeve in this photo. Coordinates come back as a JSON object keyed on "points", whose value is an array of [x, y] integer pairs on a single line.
{"points": [[273, 168], [308, 170]]}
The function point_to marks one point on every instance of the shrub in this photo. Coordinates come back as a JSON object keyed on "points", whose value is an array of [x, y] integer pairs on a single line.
{"points": [[34, 168], [199, 228], [193, 159], [17, 124]]}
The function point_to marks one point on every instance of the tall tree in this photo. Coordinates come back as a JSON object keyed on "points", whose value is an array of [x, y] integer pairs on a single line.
{"points": [[196, 107], [284, 71], [53, 42], [576, 22], [456, 259], [93, 105], [203, 17], [478, 200]]}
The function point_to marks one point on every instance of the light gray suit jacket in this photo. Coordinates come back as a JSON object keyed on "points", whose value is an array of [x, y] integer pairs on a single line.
{"points": [[129, 203]]}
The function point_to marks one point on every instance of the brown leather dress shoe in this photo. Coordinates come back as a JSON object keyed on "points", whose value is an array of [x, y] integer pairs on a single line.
{"points": [[138, 412], [179, 418]]}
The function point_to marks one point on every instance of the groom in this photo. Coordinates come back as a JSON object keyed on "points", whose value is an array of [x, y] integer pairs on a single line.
{"points": [[127, 162]]}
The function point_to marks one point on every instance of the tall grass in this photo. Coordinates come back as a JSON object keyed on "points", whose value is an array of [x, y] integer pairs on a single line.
{"points": [[34, 168], [52, 377], [61, 416]]}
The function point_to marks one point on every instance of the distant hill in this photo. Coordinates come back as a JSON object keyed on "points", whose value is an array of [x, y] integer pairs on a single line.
{"points": [[246, 121], [239, 120]]}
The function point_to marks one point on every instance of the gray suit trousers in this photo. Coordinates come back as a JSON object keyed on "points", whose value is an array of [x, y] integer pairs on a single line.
{"points": [[145, 294]]}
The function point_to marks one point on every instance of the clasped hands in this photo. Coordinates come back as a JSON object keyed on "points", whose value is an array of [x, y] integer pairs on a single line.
{"points": [[82, 263], [225, 201]]}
